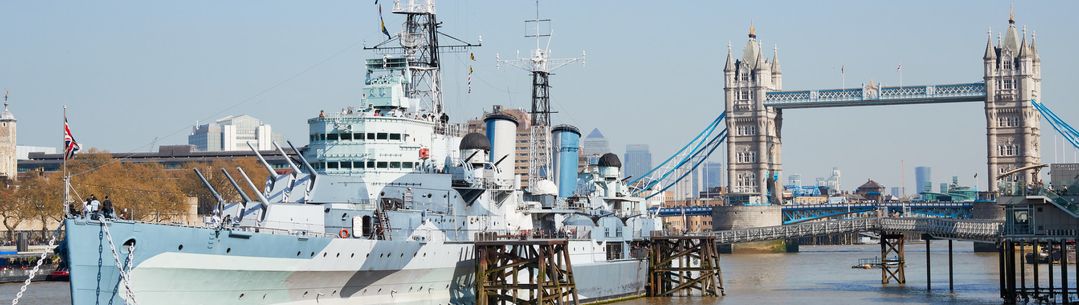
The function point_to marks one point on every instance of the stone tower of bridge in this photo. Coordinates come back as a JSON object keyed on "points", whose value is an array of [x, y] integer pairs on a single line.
{"points": [[753, 141], [1012, 78]]}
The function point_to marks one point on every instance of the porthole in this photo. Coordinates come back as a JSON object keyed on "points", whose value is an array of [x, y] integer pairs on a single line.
{"points": [[297, 253], [324, 254], [241, 296], [312, 254], [352, 255], [338, 254], [180, 247], [305, 293]]}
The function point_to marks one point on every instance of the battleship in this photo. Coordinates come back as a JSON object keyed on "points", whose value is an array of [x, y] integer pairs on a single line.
{"points": [[385, 205]]}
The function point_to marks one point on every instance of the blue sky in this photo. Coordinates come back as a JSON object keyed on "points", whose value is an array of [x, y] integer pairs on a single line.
{"points": [[137, 74]]}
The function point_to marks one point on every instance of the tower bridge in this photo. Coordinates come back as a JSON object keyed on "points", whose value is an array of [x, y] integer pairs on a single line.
{"points": [[755, 101], [1016, 214]]}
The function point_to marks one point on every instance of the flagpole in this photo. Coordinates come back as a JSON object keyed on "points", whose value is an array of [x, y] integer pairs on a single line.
{"points": [[67, 177], [843, 76]]}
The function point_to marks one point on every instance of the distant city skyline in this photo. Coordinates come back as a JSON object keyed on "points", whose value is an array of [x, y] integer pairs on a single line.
{"points": [[184, 63], [637, 160]]}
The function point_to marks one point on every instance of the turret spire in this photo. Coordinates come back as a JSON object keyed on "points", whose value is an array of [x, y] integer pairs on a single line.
{"points": [[990, 52], [729, 67], [752, 30], [1034, 45], [775, 59], [1024, 48], [1011, 14]]}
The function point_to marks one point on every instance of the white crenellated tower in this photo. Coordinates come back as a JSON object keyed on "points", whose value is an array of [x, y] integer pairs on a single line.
{"points": [[8, 164], [1012, 78], [753, 142]]}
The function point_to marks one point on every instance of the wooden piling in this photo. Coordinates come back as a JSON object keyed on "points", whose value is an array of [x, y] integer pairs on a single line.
{"points": [[501, 265], [684, 265]]}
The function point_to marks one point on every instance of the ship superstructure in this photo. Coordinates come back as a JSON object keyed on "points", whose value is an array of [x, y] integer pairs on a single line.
{"points": [[383, 206]]}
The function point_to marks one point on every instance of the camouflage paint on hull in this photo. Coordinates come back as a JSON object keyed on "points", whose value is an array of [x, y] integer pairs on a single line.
{"points": [[193, 265]]}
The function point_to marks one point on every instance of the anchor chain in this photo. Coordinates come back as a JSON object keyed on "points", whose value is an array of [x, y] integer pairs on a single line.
{"points": [[37, 267], [125, 276]]}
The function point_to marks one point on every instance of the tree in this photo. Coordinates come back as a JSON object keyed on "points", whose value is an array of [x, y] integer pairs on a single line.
{"points": [[42, 196], [11, 209]]}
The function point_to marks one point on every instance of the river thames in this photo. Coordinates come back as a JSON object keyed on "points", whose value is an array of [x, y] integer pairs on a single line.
{"points": [[816, 275]]}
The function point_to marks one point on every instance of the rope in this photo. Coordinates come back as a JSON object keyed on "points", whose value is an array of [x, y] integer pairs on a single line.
{"points": [[37, 267]]}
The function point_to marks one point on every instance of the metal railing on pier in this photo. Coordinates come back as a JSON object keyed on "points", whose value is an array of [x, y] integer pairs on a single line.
{"points": [[957, 229]]}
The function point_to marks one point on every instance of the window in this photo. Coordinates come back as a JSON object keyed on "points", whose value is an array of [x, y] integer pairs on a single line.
{"points": [[346, 136], [357, 136], [346, 164], [395, 136], [381, 164], [395, 164], [314, 137], [322, 136], [331, 165], [1007, 64], [406, 164], [1007, 84], [370, 136], [381, 136], [370, 164], [744, 94], [359, 164], [331, 136]]}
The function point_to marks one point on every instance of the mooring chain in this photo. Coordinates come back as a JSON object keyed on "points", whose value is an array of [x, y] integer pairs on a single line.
{"points": [[124, 276], [37, 267]]}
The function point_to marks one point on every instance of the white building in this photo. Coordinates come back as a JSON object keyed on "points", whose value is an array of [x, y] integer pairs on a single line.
{"points": [[23, 152], [232, 133], [8, 166]]}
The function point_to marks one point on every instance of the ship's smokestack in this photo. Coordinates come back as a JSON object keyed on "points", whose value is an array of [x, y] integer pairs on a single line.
{"points": [[502, 133], [566, 142]]}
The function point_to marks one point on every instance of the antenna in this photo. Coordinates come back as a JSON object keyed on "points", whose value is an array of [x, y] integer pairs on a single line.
{"points": [[418, 43], [540, 64]]}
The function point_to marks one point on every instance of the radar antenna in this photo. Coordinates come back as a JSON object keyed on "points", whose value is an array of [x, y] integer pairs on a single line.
{"points": [[418, 42], [540, 65]]}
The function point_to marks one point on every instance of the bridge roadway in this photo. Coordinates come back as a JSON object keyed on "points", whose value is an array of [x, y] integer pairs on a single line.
{"points": [[941, 228]]}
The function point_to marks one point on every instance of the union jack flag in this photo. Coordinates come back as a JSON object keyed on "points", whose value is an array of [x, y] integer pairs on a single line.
{"points": [[70, 145]]}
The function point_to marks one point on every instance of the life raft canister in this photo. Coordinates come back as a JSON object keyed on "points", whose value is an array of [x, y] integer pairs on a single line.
{"points": [[343, 233], [425, 153]]}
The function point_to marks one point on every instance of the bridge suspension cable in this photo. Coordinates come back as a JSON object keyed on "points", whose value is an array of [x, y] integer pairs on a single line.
{"points": [[698, 140], [712, 145], [1063, 128], [653, 176]]}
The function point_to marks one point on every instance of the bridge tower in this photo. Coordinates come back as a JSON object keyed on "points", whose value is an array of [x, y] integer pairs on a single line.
{"points": [[753, 144], [1012, 78]]}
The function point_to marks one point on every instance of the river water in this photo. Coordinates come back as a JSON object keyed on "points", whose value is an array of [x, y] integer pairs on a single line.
{"points": [[816, 275]]}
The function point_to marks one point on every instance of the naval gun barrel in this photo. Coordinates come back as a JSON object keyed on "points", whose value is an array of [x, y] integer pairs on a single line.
{"points": [[307, 165], [236, 186], [220, 201]]}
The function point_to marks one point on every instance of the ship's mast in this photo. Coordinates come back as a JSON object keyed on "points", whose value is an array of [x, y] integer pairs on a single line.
{"points": [[418, 42], [540, 65]]}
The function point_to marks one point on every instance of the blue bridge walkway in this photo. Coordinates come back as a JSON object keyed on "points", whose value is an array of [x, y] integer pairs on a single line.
{"points": [[871, 96]]}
